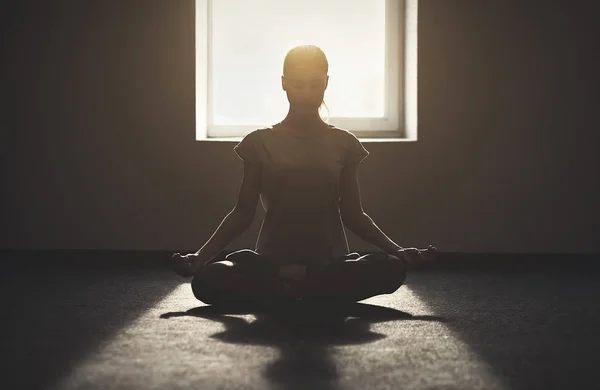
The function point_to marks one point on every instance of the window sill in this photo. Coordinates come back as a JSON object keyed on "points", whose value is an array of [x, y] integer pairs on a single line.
{"points": [[363, 140]]}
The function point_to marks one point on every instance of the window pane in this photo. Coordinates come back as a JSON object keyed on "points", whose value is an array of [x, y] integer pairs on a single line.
{"points": [[251, 38]]}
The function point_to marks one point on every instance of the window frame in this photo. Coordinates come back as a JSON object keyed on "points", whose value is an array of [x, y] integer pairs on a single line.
{"points": [[400, 117]]}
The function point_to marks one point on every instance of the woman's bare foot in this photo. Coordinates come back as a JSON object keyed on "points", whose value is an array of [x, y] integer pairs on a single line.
{"points": [[183, 264], [416, 258]]}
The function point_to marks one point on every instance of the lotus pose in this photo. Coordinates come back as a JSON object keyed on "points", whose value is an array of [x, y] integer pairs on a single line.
{"points": [[304, 172]]}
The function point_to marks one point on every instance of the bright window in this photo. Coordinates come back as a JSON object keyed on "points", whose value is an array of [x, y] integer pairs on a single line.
{"points": [[370, 46]]}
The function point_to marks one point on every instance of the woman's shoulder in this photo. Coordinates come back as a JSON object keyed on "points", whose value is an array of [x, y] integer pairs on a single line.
{"points": [[339, 133], [344, 135], [255, 134]]}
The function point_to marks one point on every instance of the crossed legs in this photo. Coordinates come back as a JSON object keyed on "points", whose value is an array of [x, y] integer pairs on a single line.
{"points": [[246, 276]]}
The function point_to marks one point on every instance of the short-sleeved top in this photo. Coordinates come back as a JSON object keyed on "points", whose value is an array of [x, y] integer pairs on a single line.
{"points": [[300, 191]]}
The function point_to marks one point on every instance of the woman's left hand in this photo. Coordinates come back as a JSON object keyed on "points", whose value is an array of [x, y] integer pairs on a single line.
{"points": [[415, 258]]}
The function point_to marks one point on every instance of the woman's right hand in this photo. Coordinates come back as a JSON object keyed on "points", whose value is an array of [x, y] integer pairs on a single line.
{"points": [[185, 265]]}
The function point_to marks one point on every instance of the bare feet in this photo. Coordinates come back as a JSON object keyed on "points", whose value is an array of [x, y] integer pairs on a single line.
{"points": [[417, 258], [182, 264]]}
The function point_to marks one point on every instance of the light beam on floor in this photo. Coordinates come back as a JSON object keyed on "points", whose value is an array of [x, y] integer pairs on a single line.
{"points": [[181, 351]]}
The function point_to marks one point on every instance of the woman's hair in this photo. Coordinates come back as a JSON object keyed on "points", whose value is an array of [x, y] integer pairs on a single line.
{"points": [[311, 53]]}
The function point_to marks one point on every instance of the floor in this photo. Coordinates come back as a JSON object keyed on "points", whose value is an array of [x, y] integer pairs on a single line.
{"points": [[98, 320]]}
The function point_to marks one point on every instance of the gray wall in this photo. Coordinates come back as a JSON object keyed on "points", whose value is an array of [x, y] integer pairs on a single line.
{"points": [[98, 141]]}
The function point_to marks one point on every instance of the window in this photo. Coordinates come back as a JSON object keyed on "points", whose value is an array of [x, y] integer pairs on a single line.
{"points": [[370, 46]]}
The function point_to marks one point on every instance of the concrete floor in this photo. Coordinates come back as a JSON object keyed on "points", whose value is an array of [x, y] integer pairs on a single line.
{"points": [[88, 326]]}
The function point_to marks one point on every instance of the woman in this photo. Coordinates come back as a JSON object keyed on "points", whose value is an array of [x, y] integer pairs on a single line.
{"points": [[304, 171]]}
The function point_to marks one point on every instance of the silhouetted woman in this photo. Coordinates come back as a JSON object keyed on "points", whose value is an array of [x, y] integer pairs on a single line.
{"points": [[304, 171]]}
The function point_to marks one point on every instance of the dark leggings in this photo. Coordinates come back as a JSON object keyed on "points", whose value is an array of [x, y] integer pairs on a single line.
{"points": [[246, 276]]}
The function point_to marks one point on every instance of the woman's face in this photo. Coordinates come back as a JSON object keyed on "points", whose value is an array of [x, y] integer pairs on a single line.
{"points": [[305, 86]]}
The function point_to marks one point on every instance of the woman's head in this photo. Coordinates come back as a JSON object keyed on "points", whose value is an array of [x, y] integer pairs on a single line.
{"points": [[305, 77]]}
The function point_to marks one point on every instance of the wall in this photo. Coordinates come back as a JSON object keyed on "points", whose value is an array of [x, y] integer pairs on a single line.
{"points": [[98, 141]]}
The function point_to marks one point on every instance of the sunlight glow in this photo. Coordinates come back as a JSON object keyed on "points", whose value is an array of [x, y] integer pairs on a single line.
{"points": [[240, 50], [163, 357], [247, 90], [451, 364], [169, 348]]}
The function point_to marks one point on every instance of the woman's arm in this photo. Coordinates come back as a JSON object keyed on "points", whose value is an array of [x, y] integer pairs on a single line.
{"points": [[366, 229], [354, 216], [237, 221], [359, 223], [234, 224]]}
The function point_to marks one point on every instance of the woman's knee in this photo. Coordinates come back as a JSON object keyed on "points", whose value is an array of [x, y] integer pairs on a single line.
{"points": [[388, 271], [244, 257], [250, 262], [379, 257], [202, 291], [395, 272], [207, 283], [242, 253]]}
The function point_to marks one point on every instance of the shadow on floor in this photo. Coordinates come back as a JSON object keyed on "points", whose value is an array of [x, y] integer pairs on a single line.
{"points": [[54, 314], [535, 330], [302, 335]]}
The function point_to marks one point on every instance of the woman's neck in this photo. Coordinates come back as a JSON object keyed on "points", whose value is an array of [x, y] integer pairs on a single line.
{"points": [[303, 123]]}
